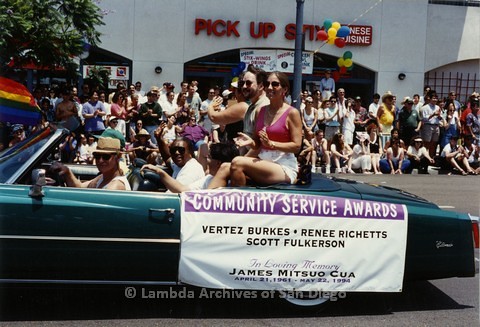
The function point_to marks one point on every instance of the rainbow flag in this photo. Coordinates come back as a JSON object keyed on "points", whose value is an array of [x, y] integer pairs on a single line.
{"points": [[17, 105]]}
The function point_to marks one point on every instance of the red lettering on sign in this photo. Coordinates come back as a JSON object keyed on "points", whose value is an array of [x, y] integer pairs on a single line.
{"points": [[200, 24], [232, 28], [290, 31], [359, 34], [218, 27], [264, 29]]}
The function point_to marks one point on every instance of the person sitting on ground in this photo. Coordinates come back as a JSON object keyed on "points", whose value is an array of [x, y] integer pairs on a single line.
{"points": [[219, 153], [305, 155], [276, 139], [361, 158], [179, 156], [143, 148], [472, 150], [375, 145], [107, 158], [394, 133], [320, 150], [395, 163], [455, 156], [340, 152], [418, 156]]}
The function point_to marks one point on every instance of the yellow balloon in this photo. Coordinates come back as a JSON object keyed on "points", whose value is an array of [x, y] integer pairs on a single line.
{"points": [[331, 40], [340, 62], [336, 25], [332, 33], [348, 62], [235, 79]]}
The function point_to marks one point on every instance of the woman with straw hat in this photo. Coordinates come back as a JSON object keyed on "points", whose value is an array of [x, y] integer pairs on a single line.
{"points": [[107, 158]]}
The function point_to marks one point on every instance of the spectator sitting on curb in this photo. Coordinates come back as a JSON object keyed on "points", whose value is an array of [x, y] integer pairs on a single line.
{"points": [[454, 155], [395, 163], [418, 155]]}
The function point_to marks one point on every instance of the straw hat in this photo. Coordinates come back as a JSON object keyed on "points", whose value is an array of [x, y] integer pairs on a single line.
{"points": [[108, 145], [387, 94], [143, 132]]}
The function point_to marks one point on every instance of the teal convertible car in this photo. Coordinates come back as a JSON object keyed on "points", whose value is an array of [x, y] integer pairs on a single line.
{"points": [[331, 234]]}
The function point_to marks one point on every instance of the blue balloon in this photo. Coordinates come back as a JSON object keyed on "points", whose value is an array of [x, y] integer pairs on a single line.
{"points": [[242, 66], [235, 71], [343, 31]]}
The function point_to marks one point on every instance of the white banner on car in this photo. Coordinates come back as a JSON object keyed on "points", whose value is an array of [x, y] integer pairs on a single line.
{"points": [[236, 239]]}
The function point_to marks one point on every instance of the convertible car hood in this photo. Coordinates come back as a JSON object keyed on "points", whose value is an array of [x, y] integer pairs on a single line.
{"points": [[377, 192], [340, 187]]}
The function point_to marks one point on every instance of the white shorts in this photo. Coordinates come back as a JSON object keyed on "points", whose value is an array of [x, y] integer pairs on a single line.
{"points": [[287, 161]]}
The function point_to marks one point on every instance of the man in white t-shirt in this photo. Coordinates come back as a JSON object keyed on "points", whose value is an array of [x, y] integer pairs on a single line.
{"points": [[179, 156], [373, 107], [219, 153]]}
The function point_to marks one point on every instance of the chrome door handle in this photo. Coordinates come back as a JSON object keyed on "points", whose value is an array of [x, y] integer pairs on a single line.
{"points": [[161, 215]]}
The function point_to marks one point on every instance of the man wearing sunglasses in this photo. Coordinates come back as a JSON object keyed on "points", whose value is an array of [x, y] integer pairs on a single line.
{"points": [[219, 153], [107, 158], [179, 156], [253, 89]]}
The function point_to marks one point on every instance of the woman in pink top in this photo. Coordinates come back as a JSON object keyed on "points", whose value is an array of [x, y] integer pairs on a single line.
{"points": [[278, 137], [118, 109]]}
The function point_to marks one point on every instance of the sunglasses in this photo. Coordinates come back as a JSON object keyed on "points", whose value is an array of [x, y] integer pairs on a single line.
{"points": [[114, 121], [333, 101], [248, 83], [180, 149], [309, 102], [273, 84], [240, 83], [104, 156]]}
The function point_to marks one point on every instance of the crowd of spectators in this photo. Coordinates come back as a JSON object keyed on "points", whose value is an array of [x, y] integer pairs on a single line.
{"points": [[422, 133], [339, 134]]}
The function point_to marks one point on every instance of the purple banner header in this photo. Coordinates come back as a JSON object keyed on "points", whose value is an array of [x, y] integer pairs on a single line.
{"points": [[266, 203]]}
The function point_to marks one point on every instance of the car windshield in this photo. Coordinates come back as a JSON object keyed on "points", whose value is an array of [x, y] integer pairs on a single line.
{"points": [[13, 158]]}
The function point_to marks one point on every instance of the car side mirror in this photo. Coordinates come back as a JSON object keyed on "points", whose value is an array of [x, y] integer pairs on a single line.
{"points": [[38, 181]]}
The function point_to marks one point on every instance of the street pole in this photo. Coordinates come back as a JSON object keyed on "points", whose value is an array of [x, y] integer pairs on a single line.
{"points": [[297, 68]]}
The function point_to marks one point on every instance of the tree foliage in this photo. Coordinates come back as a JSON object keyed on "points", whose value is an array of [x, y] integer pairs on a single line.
{"points": [[48, 33]]}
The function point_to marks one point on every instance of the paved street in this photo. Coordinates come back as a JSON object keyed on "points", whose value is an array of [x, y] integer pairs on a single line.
{"points": [[447, 302]]}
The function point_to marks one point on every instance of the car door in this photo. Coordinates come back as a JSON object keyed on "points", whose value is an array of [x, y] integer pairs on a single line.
{"points": [[75, 235]]}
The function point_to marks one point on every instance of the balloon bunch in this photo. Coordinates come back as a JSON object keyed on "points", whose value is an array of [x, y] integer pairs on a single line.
{"points": [[333, 33], [238, 69], [345, 63]]}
